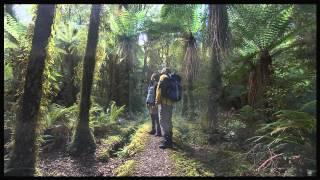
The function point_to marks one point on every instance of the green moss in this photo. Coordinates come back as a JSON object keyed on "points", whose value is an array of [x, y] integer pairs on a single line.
{"points": [[127, 169], [108, 145], [137, 141], [184, 166]]}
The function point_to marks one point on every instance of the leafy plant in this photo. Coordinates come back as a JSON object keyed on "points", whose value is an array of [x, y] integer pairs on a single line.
{"points": [[115, 112], [290, 127]]}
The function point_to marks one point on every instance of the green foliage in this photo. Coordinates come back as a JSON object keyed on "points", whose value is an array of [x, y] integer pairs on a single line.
{"points": [[291, 127], [310, 108], [137, 143], [126, 169], [260, 27], [68, 38], [60, 113], [115, 112], [8, 72], [247, 113], [184, 166], [126, 23], [191, 14], [14, 31], [109, 145], [99, 117], [189, 132]]}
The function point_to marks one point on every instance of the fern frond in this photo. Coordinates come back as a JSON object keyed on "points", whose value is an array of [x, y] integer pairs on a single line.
{"points": [[13, 28]]}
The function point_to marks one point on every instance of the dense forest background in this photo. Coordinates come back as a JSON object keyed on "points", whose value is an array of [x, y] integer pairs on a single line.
{"points": [[78, 74]]}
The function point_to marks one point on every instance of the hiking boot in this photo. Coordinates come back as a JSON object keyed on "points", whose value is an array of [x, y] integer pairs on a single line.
{"points": [[167, 143], [152, 132], [158, 134]]}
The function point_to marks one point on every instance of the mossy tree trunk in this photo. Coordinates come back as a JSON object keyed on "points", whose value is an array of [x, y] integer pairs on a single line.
{"points": [[83, 140], [23, 157]]}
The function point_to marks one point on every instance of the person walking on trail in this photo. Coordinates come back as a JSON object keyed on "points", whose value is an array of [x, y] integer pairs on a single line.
{"points": [[165, 106], [153, 109]]}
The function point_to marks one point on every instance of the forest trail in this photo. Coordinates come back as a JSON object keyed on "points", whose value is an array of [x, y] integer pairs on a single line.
{"points": [[153, 161], [61, 164]]}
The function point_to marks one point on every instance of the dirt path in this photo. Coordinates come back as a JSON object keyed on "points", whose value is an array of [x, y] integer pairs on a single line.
{"points": [[153, 161], [61, 164]]}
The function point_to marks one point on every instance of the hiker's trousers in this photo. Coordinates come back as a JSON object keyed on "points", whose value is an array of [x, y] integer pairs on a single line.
{"points": [[165, 115], [155, 123]]}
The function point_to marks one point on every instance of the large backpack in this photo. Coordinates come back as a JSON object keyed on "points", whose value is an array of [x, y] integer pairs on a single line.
{"points": [[172, 89], [151, 94]]}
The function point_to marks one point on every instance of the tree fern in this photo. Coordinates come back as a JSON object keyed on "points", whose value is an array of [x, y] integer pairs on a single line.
{"points": [[13, 29], [126, 23], [188, 16], [260, 25]]}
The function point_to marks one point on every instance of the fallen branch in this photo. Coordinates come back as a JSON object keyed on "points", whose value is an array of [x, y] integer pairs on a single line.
{"points": [[268, 160]]}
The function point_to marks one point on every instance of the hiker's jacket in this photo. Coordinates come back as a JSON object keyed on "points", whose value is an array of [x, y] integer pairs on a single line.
{"points": [[159, 98]]}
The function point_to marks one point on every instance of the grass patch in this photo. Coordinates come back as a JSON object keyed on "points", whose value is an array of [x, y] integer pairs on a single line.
{"points": [[185, 166], [138, 141], [127, 169]]}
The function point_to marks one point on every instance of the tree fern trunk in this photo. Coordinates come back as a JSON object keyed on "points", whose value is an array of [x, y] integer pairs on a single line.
{"points": [[83, 139], [23, 157], [259, 78], [68, 91]]}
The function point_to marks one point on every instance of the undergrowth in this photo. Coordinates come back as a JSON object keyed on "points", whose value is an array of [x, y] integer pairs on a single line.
{"points": [[137, 142], [185, 166], [126, 169]]}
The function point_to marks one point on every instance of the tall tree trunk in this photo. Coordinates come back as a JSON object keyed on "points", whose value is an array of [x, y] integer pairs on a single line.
{"points": [[218, 33], [83, 139], [191, 60], [258, 79], [215, 90], [23, 156]]}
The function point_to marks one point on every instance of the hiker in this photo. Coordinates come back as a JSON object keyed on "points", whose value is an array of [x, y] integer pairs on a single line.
{"points": [[165, 104], [153, 109]]}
